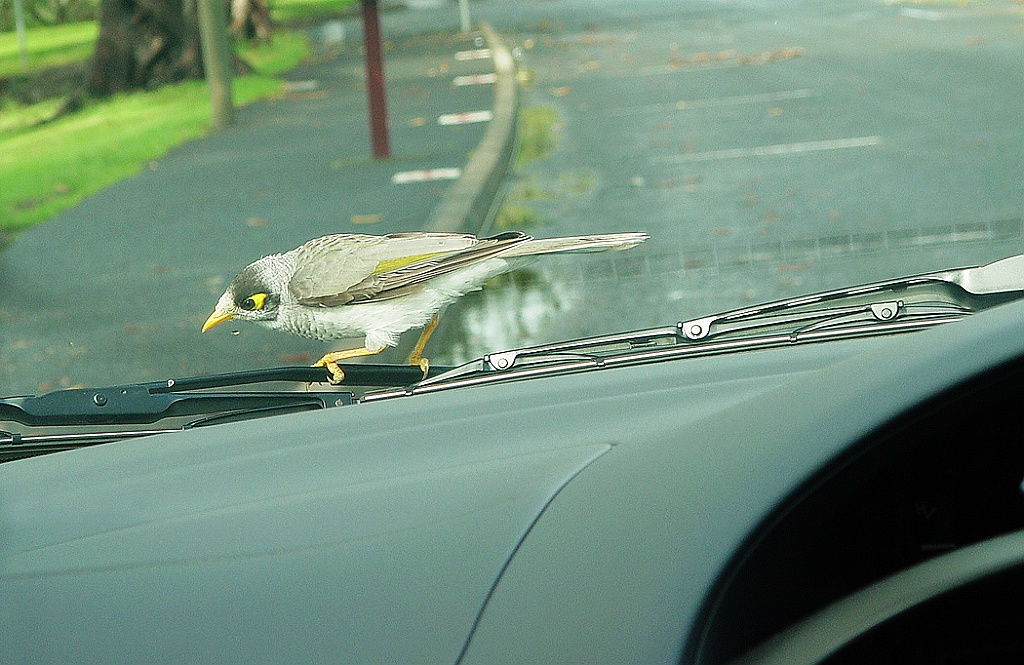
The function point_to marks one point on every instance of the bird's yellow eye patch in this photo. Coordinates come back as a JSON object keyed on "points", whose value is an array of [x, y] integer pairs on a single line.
{"points": [[254, 302]]}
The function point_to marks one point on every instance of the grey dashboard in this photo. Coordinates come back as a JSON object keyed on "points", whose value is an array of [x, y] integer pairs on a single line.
{"points": [[590, 518]]}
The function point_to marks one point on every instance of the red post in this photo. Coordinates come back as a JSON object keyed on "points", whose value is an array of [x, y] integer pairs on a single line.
{"points": [[375, 81]]}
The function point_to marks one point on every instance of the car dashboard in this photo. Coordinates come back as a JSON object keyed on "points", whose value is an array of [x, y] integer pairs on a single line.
{"points": [[703, 510]]}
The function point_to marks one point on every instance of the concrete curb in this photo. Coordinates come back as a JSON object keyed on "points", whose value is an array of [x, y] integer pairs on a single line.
{"points": [[468, 202]]}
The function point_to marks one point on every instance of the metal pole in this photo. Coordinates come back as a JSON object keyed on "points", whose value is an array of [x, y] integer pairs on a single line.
{"points": [[19, 26], [464, 15], [379, 143], [213, 30]]}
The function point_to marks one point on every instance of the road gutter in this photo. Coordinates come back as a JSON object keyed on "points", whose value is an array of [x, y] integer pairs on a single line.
{"points": [[468, 203]]}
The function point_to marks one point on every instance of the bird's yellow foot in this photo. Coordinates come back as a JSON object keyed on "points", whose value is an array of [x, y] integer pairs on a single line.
{"points": [[337, 374], [416, 357], [330, 361], [422, 363]]}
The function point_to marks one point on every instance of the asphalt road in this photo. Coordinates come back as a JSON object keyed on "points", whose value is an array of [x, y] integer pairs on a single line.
{"points": [[770, 149]]}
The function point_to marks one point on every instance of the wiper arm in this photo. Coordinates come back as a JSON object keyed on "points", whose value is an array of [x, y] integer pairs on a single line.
{"points": [[964, 288], [891, 306], [144, 403]]}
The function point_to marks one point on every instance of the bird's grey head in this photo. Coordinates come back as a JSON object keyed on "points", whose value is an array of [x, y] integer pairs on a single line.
{"points": [[255, 294]]}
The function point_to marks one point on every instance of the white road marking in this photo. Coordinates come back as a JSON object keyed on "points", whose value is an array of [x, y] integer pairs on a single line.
{"points": [[925, 14], [777, 149], [424, 175], [737, 100], [465, 118], [478, 54], [301, 86], [475, 79]]}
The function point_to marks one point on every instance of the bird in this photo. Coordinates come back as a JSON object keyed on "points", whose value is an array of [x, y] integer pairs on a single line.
{"points": [[349, 285]]}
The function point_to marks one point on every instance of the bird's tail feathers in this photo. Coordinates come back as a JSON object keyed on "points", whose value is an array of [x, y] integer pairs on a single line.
{"points": [[601, 242]]}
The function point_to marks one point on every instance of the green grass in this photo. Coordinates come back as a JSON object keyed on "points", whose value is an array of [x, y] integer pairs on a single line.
{"points": [[517, 217], [285, 11], [535, 133], [48, 46], [50, 167], [283, 51]]}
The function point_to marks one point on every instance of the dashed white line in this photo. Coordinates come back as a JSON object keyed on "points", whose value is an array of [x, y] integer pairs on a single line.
{"points": [[478, 54], [926, 14], [465, 118], [768, 150], [424, 175], [736, 100], [475, 79]]}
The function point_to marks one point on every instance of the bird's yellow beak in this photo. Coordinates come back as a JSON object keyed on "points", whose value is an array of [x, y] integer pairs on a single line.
{"points": [[215, 318]]}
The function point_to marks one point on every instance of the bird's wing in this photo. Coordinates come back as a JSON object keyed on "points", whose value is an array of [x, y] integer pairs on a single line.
{"points": [[422, 257], [332, 264]]}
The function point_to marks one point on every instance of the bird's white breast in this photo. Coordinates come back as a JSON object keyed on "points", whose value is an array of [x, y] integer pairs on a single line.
{"points": [[383, 321]]}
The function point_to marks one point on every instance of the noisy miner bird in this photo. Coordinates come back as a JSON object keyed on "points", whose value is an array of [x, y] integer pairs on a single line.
{"points": [[350, 285]]}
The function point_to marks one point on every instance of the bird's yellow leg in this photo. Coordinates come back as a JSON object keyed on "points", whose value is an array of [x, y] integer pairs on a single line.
{"points": [[330, 361], [416, 357]]}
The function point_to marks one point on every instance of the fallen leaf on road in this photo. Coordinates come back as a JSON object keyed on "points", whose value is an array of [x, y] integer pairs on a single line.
{"points": [[702, 58], [214, 284], [561, 91], [365, 219], [417, 122]]}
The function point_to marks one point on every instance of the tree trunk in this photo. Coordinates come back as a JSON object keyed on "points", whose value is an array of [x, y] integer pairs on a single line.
{"points": [[250, 19], [144, 44]]}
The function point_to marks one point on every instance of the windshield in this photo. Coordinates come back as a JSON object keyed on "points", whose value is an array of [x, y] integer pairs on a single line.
{"points": [[768, 150]]}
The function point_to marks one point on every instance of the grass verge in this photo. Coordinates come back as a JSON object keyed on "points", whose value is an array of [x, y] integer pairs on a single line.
{"points": [[297, 11], [50, 167], [536, 134], [54, 45], [47, 46]]}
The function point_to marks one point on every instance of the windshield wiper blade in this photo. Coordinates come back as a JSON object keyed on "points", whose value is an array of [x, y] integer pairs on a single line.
{"points": [[144, 403], [134, 404], [965, 288], [892, 306]]}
